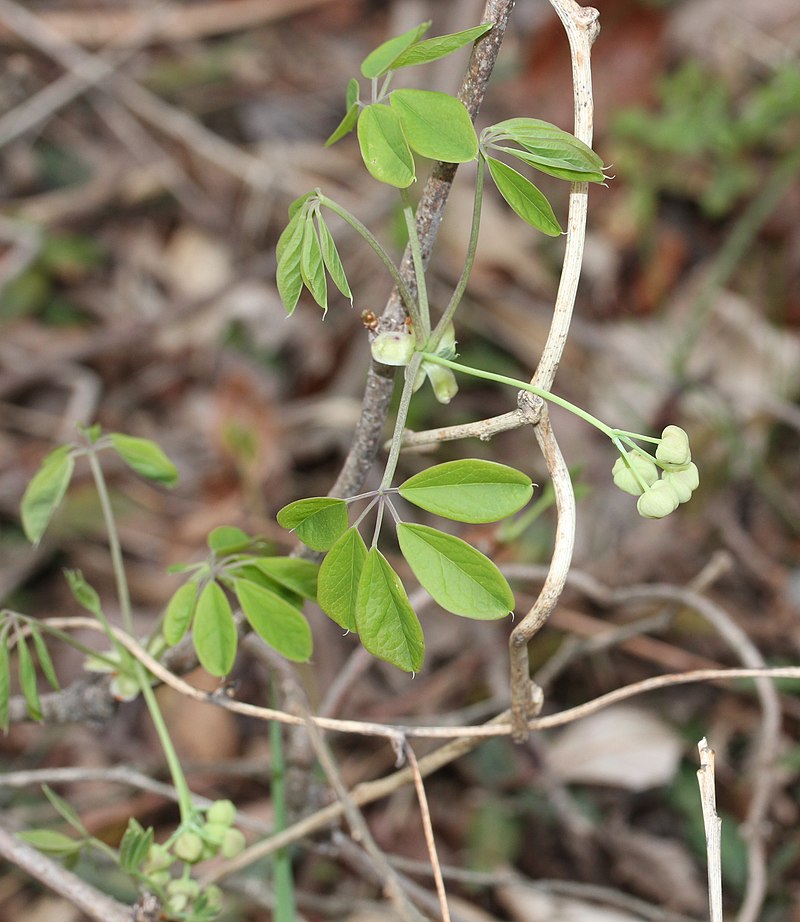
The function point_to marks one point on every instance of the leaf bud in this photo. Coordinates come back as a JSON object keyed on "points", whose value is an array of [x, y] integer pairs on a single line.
{"points": [[673, 449], [633, 470], [658, 501]]}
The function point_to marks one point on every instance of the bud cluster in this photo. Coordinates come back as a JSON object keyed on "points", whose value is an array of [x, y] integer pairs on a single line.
{"points": [[661, 483]]}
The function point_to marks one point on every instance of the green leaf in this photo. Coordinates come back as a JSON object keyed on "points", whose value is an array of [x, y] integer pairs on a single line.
{"points": [[214, 631], [534, 134], [384, 149], [51, 842], [5, 684], [339, 577], [289, 251], [145, 457], [469, 490], [459, 578], [312, 269], [296, 575], [65, 810], [179, 613], [433, 49], [351, 94], [43, 655], [562, 167], [524, 198], [134, 846], [347, 124], [436, 125], [317, 521], [377, 62], [330, 256], [277, 622], [84, 594], [256, 575], [27, 680], [296, 205], [45, 492], [228, 539], [386, 622]]}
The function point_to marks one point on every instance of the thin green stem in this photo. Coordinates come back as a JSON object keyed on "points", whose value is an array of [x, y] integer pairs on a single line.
{"points": [[378, 521], [372, 240], [423, 331], [400, 421], [525, 386], [140, 673], [469, 260], [285, 909]]}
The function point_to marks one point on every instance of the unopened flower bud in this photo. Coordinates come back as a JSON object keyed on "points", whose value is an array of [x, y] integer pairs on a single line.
{"points": [[188, 847], [233, 843], [673, 449], [658, 501], [632, 471], [221, 811], [684, 481], [393, 347]]}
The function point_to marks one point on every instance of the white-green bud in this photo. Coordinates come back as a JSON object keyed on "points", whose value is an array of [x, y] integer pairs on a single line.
{"points": [[673, 449], [658, 501], [213, 896], [632, 471], [214, 832], [393, 347], [124, 687], [233, 843], [443, 381], [158, 858], [185, 885], [177, 903], [684, 481], [221, 811], [188, 847]]}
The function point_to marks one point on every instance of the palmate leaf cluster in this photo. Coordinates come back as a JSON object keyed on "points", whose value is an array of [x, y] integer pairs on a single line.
{"points": [[360, 590]]}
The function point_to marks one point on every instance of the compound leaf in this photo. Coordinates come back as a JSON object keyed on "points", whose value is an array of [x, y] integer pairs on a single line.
{"points": [[339, 577], [377, 62], [386, 622], [384, 149], [469, 491], [317, 521], [561, 163], [214, 632], [44, 493], [459, 578], [145, 457], [436, 125], [228, 539], [433, 49], [524, 198], [277, 622]]}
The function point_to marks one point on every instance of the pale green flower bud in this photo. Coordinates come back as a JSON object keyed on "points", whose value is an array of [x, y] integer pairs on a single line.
{"points": [[684, 481], [185, 885], [673, 449], [159, 879], [627, 479], [158, 858], [393, 347], [658, 501], [221, 811], [442, 379], [447, 344], [214, 832], [213, 896], [177, 903], [233, 843], [124, 688], [188, 847]]}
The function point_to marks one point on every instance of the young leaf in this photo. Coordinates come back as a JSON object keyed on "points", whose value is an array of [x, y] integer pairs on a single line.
{"points": [[27, 680], [65, 810], [296, 575], [524, 198], [45, 492], [277, 622], [459, 578], [145, 457], [43, 655], [214, 631], [347, 124], [469, 490], [250, 572], [377, 62], [317, 521], [227, 539], [5, 684], [351, 94], [134, 846], [533, 134], [561, 163], [384, 149], [386, 622], [433, 49], [51, 842], [436, 125], [330, 256], [339, 577], [289, 251], [179, 613], [84, 594], [312, 269], [297, 204]]}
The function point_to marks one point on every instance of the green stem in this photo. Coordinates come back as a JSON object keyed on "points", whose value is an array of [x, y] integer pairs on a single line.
{"points": [[525, 386], [423, 331], [469, 261], [140, 673], [285, 910], [400, 421], [372, 240]]}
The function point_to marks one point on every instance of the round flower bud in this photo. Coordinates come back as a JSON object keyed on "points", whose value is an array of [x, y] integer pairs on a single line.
{"points": [[673, 449], [221, 811], [158, 858], [233, 843], [185, 885], [177, 903], [124, 687], [630, 481], [214, 832], [393, 347], [444, 383], [658, 501], [213, 896], [188, 847], [684, 481], [158, 879]]}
